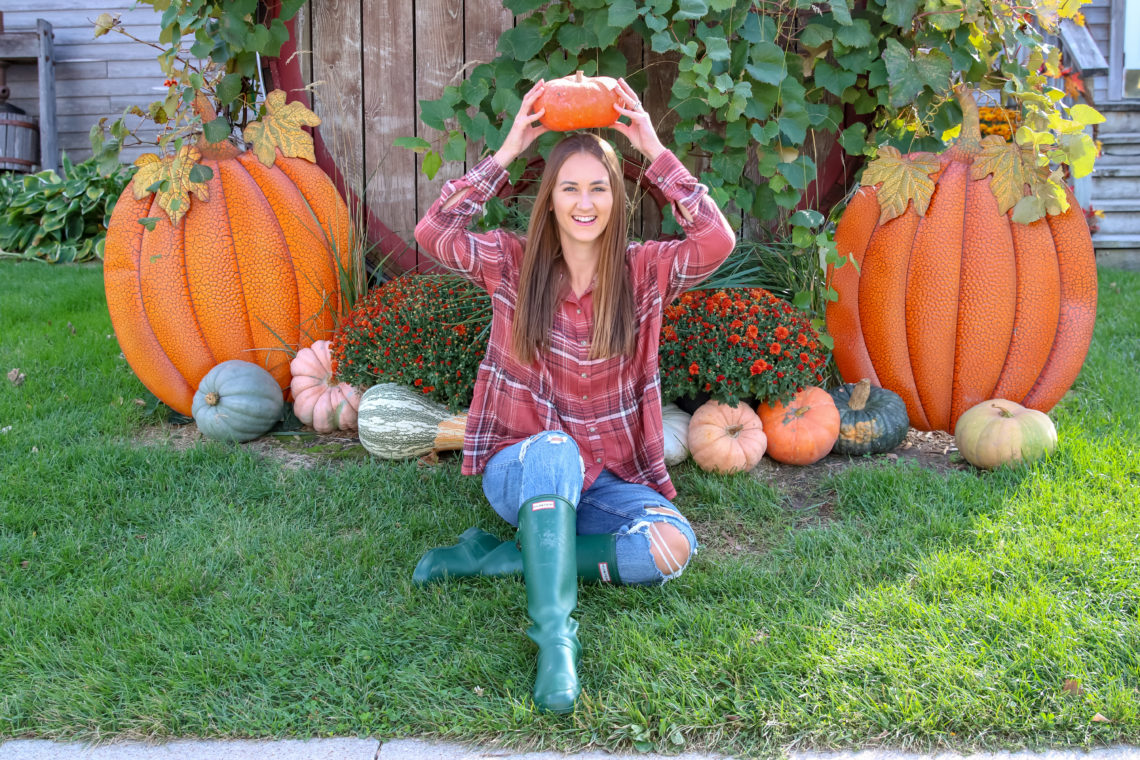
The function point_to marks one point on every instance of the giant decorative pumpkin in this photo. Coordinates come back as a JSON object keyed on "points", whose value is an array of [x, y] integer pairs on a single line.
{"points": [[578, 102], [952, 302], [244, 269]]}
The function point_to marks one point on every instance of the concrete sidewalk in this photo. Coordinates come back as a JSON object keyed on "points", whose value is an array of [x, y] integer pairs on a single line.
{"points": [[413, 749]]}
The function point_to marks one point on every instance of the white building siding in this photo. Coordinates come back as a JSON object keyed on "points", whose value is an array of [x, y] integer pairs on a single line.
{"points": [[95, 78]]}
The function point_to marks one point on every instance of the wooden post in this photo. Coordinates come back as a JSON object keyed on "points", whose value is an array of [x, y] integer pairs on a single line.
{"points": [[49, 139]]}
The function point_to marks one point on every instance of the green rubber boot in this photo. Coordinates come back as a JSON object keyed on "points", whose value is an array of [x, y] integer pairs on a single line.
{"points": [[547, 539], [480, 553]]}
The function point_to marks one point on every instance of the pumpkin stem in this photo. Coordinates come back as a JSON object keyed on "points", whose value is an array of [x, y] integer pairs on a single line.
{"points": [[578, 75], [204, 108], [733, 430], [859, 395], [1002, 411], [969, 142], [212, 398]]}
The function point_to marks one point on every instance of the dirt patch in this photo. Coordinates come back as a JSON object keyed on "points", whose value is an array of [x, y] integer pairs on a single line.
{"points": [[934, 450], [303, 449]]}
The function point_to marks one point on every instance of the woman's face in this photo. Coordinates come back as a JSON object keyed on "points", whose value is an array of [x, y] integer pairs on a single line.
{"points": [[583, 199]]}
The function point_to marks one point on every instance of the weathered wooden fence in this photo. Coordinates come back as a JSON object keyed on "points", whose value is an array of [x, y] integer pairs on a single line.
{"points": [[368, 63]]}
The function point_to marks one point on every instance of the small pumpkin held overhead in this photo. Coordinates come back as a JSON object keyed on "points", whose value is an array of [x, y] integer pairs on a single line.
{"points": [[578, 102]]}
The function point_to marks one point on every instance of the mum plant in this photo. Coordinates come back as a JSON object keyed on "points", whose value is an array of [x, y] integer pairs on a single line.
{"points": [[425, 331], [738, 344]]}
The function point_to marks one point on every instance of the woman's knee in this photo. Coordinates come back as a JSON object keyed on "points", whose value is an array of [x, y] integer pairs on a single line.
{"points": [[665, 542], [555, 450]]}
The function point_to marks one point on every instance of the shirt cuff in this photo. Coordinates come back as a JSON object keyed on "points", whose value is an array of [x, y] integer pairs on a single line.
{"points": [[677, 184], [487, 177]]}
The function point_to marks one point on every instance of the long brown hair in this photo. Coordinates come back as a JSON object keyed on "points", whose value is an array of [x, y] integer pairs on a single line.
{"points": [[614, 330]]}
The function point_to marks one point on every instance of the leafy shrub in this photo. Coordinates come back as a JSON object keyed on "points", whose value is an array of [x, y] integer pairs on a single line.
{"points": [[754, 84], [59, 220], [735, 344], [425, 331]]}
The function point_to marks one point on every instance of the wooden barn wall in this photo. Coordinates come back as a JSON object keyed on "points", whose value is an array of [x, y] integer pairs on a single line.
{"points": [[1097, 14], [370, 62], [95, 78]]}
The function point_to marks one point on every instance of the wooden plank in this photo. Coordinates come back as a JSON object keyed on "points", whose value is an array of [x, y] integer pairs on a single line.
{"points": [[438, 62], [1082, 49], [1116, 52], [105, 51], [80, 17], [660, 71], [390, 112], [49, 141], [18, 45], [337, 86], [64, 70], [484, 21]]}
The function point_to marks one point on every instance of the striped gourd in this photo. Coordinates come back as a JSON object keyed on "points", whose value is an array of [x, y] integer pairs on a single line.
{"points": [[396, 422]]}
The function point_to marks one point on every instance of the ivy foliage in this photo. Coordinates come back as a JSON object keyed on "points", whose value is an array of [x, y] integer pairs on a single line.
{"points": [[755, 80]]}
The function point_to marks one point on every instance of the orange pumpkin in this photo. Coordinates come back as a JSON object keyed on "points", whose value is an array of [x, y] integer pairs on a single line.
{"points": [[578, 102], [726, 439], [962, 304], [802, 431], [242, 276]]}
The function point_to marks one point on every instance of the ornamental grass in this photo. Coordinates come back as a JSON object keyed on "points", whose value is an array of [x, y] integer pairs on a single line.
{"points": [[738, 344], [426, 331]]}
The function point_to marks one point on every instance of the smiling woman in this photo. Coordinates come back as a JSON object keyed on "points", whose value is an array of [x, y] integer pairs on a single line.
{"points": [[565, 424]]}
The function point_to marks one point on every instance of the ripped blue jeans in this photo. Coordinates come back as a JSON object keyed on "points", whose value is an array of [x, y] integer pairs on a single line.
{"points": [[549, 463]]}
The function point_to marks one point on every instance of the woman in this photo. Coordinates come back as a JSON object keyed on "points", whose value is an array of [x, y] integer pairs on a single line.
{"points": [[565, 424]]}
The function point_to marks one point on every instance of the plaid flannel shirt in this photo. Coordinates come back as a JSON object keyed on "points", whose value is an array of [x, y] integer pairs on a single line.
{"points": [[610, 407]]}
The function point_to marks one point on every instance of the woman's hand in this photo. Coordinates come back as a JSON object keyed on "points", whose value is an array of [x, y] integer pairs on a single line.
{"points": [[639, 131], [525, 128]]}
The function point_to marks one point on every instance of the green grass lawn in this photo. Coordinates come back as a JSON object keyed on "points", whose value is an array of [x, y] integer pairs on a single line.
{"points": [[152, 591]]}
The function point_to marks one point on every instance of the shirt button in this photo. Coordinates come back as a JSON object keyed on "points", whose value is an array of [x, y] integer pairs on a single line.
{"points": [[585, 343], [584, 397], [579, 311], [660, 178], [593, 430], [598, 460], [584, 375]]}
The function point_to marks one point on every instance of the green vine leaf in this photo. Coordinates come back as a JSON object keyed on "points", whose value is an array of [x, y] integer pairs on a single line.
{"points": [[1013, 167], [904, 178]]}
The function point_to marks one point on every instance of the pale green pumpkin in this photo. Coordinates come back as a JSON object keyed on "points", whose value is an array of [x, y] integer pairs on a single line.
{"points": [[237, 401]]}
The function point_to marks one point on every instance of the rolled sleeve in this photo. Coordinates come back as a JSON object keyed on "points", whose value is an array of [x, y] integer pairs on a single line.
{"points": [[444, 235], [709, 239]]}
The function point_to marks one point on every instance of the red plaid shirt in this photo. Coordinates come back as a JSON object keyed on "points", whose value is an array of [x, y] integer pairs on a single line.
{"points": [[610, 407]]}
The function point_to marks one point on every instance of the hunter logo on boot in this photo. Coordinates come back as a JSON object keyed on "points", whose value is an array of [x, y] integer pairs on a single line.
{"points": [[604, 571], [549, 504]]}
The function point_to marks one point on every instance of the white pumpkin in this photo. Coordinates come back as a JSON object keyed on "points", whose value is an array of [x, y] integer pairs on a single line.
{"points": [[396, 422], [676, 422]]}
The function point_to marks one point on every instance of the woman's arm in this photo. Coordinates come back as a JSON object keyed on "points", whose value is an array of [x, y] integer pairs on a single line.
{"points": [[443, 232], [709, 239]]}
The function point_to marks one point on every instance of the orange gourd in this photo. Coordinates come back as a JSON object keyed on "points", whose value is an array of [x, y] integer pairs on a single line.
{"points": [[962, 304], [726, 439], [578, 102], [241, 276], [803, 430]]}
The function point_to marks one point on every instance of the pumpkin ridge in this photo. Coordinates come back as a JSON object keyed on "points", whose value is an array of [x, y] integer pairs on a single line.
{"points": [[123, 285], [920, 409], [212, 266], [835, 311], [284, 235], [263, 287], [165, 297]]}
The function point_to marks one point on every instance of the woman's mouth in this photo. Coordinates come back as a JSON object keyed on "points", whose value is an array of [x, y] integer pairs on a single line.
{"points": [[584, 220]]}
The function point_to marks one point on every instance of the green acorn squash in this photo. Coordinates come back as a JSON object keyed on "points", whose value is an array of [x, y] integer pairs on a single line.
{"points": [[872, 420]]}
